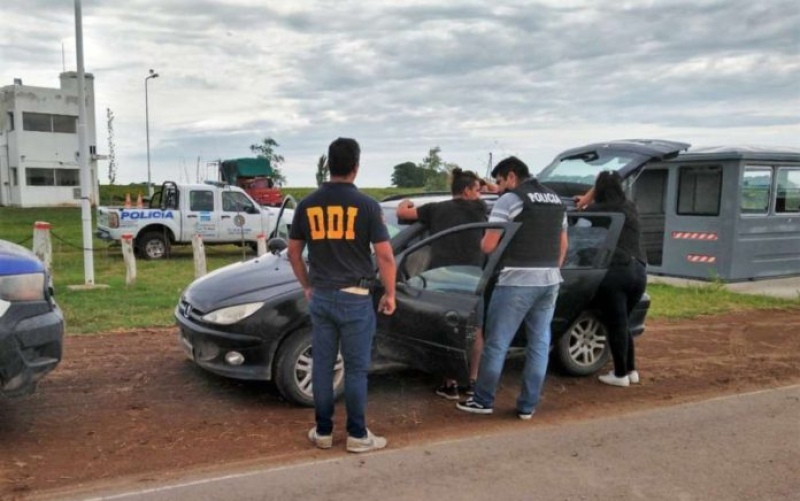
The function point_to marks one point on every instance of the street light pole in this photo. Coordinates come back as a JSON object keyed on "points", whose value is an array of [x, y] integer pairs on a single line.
{"points": [[147, 128]]}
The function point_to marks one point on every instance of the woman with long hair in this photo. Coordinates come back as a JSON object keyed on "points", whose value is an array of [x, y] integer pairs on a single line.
{"points": [[626, 280]]}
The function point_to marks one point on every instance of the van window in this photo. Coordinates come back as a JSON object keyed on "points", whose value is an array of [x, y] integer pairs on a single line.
{"points": [[788, 195], [699, 190], [756, 184]]}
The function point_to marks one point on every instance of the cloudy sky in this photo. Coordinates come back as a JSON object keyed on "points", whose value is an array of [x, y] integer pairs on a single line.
{"points": [[529, 78]]}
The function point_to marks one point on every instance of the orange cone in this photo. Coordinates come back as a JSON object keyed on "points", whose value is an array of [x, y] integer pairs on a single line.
{"points": [[127, 200], [139, 202]]}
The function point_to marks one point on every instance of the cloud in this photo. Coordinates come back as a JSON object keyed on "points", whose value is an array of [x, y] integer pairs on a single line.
{"points": [[471, 77]]}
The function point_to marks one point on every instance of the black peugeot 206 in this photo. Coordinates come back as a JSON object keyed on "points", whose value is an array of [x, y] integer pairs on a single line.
{"points": [[250, 320]]}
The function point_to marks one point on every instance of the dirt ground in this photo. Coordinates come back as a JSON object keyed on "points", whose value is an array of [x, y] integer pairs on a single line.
{"points": [[127, 409]]}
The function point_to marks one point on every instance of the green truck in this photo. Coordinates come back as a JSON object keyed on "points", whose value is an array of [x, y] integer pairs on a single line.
{"points": [[254, 176]]}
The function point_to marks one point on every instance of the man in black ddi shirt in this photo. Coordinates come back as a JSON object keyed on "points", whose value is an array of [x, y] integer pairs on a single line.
{"points": [[338, 224]]}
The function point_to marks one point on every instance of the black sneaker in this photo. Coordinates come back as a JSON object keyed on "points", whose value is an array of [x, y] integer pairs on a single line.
{"points": [[470, 405], [470, 387], [450, 392]]}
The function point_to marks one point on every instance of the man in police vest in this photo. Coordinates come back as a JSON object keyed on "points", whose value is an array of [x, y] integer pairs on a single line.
{"points": [[527, 286], [338, 223]]}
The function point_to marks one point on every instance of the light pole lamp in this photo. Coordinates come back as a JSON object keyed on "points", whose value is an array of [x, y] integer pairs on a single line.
{"points": [[152, 74]]}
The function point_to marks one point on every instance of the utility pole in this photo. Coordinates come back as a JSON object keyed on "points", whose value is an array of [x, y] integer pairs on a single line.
{"points": [[83, 155]]}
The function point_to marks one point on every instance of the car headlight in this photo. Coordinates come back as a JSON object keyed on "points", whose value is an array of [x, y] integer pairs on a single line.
{"points": [[232, 314], [27, 287]]}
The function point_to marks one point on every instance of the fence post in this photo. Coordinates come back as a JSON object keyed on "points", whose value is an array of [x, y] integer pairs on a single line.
{"points": [[261, 245], [199, 252], [129, 258], [42, 246]]}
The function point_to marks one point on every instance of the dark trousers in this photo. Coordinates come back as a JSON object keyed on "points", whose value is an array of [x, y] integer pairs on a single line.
{"points": [[618, 294]]}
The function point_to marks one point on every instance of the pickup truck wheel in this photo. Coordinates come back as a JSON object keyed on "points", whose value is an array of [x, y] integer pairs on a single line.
{"points": [[293, 369], [583, 349], [153, 245]]}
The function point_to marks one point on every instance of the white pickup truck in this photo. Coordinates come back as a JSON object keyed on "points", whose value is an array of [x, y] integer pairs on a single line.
{"points": [[221, 214]]}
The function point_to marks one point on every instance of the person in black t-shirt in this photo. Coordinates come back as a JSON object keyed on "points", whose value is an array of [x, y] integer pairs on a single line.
{"points": [[338, 224], [626, 279], [462, 248]]}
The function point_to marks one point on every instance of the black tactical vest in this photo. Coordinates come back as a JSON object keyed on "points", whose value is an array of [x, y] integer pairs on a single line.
{"points": [[538, 242]]}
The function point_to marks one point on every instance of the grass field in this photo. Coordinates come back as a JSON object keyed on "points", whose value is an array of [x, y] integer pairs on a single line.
{"points": [[151, 300]]}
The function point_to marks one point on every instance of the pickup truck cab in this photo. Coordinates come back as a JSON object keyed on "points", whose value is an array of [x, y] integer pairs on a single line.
{"points": [[220, 213]]}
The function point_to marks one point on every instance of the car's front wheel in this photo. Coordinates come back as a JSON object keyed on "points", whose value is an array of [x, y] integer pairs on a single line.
{"points": [[294, 366], [583, 350]]}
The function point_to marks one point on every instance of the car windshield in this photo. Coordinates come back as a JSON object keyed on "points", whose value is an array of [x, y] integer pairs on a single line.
{"points": [[390, 217], [583, 169]]}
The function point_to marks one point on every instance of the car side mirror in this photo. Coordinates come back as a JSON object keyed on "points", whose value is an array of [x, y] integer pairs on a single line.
{"points": [[276, 245]]}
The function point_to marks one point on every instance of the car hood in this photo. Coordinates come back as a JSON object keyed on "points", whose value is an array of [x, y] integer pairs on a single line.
{"points": [[258, 279], [640, 152], [17, 260]]}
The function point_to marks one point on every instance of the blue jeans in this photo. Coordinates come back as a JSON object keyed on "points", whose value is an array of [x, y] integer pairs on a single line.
{"points": [[509, 307], [341, 317]]}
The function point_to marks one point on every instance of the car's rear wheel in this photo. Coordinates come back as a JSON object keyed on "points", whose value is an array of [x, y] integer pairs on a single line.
{"points": [[153, 245], [294, 366], [583, 350]]}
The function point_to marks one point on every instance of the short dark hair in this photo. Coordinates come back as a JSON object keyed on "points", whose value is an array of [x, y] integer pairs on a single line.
{"points": [[511, 164], [462, 179], [608, 188], [343, 156]]}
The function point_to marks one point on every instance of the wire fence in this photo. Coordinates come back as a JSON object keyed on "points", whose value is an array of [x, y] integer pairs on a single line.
{"points": [[240, 250]]}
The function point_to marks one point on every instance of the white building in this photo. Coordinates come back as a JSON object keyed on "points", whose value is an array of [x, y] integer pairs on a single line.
{"points": [[39, 144]]}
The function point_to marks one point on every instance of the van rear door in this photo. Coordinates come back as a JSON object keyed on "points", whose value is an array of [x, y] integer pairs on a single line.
{"points": [[573, 171]]}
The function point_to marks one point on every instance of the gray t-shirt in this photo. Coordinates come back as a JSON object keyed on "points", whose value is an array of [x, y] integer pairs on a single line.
{"points": [[505, 210]]}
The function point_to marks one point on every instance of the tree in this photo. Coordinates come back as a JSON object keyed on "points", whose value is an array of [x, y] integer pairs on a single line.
{"points": [[322, 170], [408, 175], [435, 170], [112, 155], [266, 149]]}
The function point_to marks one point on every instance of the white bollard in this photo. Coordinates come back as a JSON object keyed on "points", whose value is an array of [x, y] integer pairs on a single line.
{"points": [[199, 251], [42, 246], [261, 245], [130, 258]]}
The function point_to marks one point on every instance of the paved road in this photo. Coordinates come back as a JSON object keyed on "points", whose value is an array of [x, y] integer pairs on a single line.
{"points": [[738, 448]]}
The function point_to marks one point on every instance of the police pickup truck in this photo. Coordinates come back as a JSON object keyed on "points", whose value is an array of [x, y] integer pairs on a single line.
{"points": [[219, 213]]}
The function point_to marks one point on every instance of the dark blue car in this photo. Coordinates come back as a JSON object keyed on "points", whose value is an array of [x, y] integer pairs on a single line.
{"points": [[31, 323]]}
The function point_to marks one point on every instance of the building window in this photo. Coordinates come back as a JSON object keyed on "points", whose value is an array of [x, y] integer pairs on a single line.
{"points": [[14, 178], [37, 122], [65, 123], [756, 184], [699, 190], [40, 177], [45, 122], [52, 177], [10, 121], [788, 194], [68, 177]]}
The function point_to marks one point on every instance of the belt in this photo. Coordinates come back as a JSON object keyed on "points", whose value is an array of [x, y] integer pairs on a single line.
{"points": [[356, 290]]}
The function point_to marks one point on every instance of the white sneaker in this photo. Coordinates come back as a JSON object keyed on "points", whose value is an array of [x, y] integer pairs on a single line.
{"points": [[613, 380], [321, 441], [634, 377], [369, 443]]}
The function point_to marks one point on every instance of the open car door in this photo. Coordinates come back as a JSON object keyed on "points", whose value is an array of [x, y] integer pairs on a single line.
{"points": [[435, 321]]}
